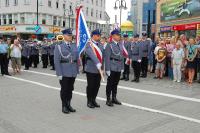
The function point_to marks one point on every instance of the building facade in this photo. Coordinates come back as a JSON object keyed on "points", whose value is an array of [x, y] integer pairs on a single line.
{"points": [[183, 17], [20, 16], [140, 10]]}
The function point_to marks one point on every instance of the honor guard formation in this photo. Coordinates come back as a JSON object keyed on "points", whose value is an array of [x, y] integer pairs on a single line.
{"points": [[114, 57]]}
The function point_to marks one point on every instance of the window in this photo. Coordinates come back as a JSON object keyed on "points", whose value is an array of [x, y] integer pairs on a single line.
{"points": [[64, 23], [96, 2], [7, 3], [15, 2], [43, 19], [54, 20], [10, 19], [91, 12], [92, 1], [27, 2], [57, 4], [64, 6], [16, 19], [59, 21], [96, 13], [101, 3], [22, 19], [100, 15], [40, 2], [4, 19], [49, 3]]}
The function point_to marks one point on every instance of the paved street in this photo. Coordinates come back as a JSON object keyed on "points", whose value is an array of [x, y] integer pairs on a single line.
{"points": [[30, 103]]}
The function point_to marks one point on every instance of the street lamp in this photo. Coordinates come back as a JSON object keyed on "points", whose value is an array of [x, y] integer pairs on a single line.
{"points": [[70, 13], [121, 4], [37, 11]]}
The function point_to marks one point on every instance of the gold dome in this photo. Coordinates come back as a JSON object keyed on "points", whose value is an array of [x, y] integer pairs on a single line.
{"points": [[127, 26]]}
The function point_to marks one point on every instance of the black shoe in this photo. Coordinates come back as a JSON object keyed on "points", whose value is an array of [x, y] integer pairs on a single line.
{"points": [[95, 104], [35, 67], [70, 107], [90, 105], [123, 78], [52, 69], [127, 79], [26, 69], [65, 110], [133, 80], [137, 81], [115, 101], [8, 74], [109, 103]]}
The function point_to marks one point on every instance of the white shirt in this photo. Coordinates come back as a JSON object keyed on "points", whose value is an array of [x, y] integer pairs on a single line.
{"points": [[16, 51], [156, 50], [177, 56]]}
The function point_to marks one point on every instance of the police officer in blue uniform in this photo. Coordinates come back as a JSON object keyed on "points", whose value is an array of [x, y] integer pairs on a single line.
{"points": [[92, 67], [26, 52], [44, 53], [66, 65], [126, 72], [34, 53], [4, 57], [51, 53], [114, 65], [135, 54], [146, 51]]}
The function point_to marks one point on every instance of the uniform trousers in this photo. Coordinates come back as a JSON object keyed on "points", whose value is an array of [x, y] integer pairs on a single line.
{"points": [[51, 58], [45, 60], [26, 62], [144, 66], [93, 85], [34, 59], [136, 68], [112, 83], [67, 87], [126, 69], [4, 63]]}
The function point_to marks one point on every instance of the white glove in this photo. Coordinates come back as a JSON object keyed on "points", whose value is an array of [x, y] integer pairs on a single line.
{"points": [[98, 66], [60, 77], [108, 73], [122, 71], [139, 61]]}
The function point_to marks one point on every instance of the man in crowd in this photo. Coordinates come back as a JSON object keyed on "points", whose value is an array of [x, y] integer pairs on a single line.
{"points": [[4, 57]]}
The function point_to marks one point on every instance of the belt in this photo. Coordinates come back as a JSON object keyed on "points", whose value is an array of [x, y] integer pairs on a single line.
{"points": [[136, 54], [67, 61], [88, 58], [3, 53], [115, 59]]}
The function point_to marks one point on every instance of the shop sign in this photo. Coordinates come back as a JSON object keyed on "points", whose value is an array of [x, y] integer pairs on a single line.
{"points": [[30, 28], [185, 27], [54, 29], [165, 28], [7, 28]]}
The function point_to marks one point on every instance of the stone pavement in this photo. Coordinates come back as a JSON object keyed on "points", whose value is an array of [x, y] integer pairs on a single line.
{"points": [[30, 103]]}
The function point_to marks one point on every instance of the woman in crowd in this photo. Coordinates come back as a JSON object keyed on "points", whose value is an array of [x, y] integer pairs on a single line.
{"points": [[16, 56], [161, 55], [170, 47], [191, 52]]}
